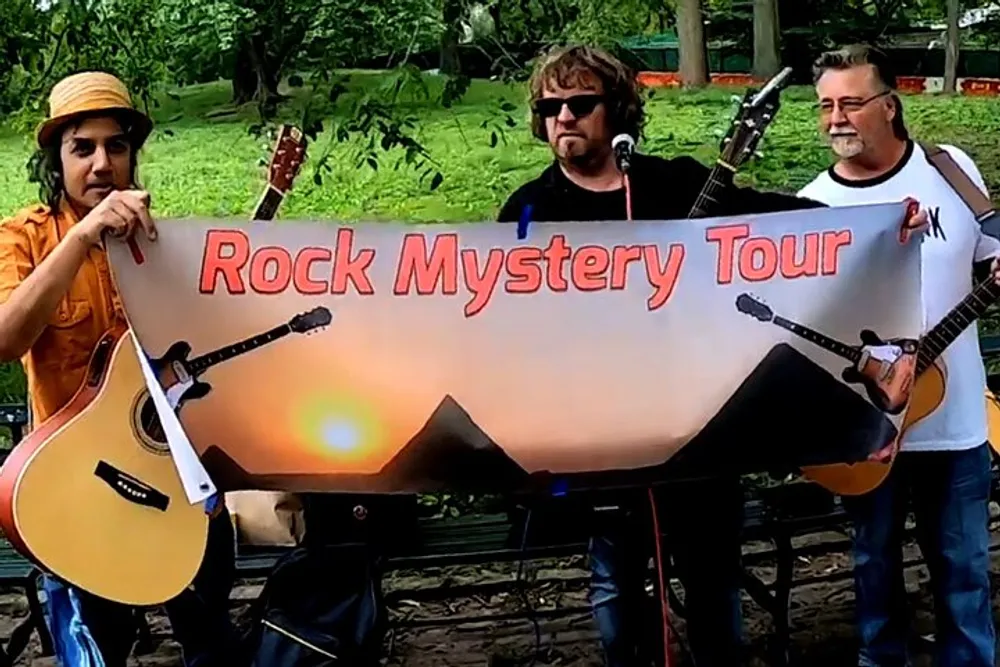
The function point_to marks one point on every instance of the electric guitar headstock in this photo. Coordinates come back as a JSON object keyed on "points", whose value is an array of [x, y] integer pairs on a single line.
{"points": [[286, 162], [309, 321], [753, 307], [755, 114]]}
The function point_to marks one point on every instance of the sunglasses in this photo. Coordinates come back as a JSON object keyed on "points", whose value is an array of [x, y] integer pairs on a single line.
{"points": [[578, 105]]}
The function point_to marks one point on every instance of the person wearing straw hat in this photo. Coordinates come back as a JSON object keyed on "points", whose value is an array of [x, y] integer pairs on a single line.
{"points": [[57, 298]]}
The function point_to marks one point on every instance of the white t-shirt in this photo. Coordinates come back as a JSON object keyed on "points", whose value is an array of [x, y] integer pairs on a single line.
{"points": [[946, 278]]}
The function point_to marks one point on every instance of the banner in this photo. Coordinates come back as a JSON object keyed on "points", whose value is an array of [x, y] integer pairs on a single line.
{"points": [[401, 357]]}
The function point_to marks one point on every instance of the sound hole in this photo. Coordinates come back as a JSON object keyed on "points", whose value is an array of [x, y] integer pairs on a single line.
{"points": [[146, 423]]}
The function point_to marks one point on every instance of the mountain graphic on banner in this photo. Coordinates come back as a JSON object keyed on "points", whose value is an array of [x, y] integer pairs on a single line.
{"points": [[449, 452]]}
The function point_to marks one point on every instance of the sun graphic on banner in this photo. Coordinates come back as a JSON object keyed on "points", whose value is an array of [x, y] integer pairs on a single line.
{"points": [[342, 428]]}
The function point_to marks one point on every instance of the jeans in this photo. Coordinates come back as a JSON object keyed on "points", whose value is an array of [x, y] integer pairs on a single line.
{"points": [[703, 522], [950, 494], [88, 631]]}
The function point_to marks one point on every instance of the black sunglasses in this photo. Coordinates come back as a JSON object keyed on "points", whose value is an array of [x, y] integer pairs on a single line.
{"points": [[579, 105]]}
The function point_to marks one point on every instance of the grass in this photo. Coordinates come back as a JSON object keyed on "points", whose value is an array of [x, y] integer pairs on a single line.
{"points": [[209, 166], [199, 163]]}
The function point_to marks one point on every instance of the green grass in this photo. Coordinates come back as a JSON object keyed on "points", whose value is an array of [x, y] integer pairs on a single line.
{"points": [[209, 166]]}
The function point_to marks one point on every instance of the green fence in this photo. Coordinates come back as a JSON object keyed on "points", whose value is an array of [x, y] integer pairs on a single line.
{"points": [[660, 53]]}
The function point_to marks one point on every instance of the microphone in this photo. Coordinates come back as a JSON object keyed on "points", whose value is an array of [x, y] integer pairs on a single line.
{"points": [[623, 146]]}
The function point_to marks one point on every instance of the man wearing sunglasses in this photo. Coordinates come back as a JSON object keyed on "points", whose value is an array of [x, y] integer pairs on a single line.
{"points": [[581, 99], [944, 461]]}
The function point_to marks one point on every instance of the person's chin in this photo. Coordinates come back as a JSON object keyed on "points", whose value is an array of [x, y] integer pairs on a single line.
{"points": [[847, 148]]}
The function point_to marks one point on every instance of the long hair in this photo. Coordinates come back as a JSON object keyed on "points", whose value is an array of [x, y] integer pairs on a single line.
{"points": [[572, 65], [45, 164], [856, 55]]}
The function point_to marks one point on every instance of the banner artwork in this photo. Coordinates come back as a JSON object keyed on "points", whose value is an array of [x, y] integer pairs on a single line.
{"points": [[399, 357]]}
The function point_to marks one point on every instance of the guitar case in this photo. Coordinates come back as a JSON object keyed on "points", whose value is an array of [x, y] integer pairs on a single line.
{"points": [[323, 603], [320, 607]]}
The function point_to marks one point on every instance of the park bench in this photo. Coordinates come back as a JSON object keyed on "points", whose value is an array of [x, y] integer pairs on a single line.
{"points": [[776, 514]]}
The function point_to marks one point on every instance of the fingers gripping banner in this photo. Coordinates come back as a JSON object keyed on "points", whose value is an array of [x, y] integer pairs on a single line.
{"points": [[400, 357]]}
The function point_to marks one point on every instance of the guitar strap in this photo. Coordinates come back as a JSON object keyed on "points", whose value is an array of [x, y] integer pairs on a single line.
{"points": [[978, 203]]}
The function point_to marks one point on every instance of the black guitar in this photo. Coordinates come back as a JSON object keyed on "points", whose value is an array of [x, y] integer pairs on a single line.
{"points": [[757, 111]]}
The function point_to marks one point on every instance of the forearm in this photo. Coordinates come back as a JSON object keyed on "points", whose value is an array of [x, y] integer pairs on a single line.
{"points": [[31, 305]]}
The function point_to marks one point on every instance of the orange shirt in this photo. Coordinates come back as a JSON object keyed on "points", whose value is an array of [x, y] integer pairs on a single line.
{"points": [[56, 364]]}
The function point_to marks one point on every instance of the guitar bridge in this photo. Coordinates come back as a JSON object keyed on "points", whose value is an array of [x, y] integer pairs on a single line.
{"points": [[130, 488]]}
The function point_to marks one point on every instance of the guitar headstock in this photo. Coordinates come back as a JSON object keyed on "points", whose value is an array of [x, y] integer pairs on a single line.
{"points": [[289, 154], [313, 319], [757, 110], [748, 305]]}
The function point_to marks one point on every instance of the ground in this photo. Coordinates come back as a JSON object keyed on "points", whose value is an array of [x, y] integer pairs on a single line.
{"points": [[821, 614]]}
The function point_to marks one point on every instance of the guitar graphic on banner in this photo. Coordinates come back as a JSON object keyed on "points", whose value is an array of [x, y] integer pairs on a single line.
{"points": [[93, 495], [925, 396], [180, 376], [884, 368]]}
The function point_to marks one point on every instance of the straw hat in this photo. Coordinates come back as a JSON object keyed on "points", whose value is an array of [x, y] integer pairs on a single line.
{"points": [[86, 92]]}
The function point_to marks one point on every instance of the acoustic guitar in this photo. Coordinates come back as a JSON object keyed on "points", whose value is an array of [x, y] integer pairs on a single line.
{"points": [[93, 495], [851, 479], [756, 112]]}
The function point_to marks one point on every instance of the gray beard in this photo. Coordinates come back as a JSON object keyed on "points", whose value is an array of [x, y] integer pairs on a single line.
{"points": [[847, 147]]}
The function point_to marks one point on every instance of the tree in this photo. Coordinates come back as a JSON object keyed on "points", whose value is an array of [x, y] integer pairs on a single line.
{"points": [[952, 46], [766, 39], [692, 47]]}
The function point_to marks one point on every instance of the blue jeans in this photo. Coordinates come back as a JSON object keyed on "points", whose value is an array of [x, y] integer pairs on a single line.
{"points": [[950, 495], [703, 522], [88, 631]]}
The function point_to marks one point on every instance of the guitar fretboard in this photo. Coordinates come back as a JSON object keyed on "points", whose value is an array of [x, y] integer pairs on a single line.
{"points": [[719, 179], [958, 319], [268, 205], [200, 364], [835, 346]]}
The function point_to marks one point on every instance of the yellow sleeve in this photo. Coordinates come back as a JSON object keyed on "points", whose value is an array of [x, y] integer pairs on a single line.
{"points": [[15, 257]]}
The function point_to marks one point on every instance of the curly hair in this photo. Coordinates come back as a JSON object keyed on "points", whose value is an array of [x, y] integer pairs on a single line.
{"points": [[573, 65]]}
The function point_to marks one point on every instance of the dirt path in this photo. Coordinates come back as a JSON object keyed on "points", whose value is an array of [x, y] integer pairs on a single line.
{"points": [[821, 614]]}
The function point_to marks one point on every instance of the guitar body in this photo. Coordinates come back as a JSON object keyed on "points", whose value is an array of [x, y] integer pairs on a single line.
{"points": [[886, 370], [854, 479], [993, 421], [179, 384], [96, 502]]}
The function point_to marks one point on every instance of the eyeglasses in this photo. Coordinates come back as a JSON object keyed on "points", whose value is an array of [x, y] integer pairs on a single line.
{"points": [[579, 105], [849, 106]]}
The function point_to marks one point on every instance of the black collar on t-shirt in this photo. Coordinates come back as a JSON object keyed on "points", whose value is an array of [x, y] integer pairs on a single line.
{"points": [[875, 180]]}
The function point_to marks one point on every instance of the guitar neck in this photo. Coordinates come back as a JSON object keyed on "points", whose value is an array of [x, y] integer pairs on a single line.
{"points": [[720, 178], [268, 205], [200, 364], [958, 319], [827, 343]]}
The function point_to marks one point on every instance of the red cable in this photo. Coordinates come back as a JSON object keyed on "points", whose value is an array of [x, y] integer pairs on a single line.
{"points": [[628, 197], [664, 607]]}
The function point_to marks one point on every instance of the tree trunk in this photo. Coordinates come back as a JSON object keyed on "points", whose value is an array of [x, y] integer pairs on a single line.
{"points": [[254, 78], [766, 39], [244, 77], [452, 13], [952, 46], [691, 38]]}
